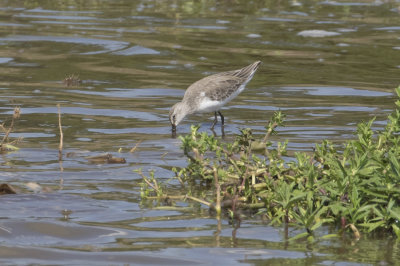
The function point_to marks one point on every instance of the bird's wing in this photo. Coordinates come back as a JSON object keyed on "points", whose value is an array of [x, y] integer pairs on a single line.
{"points": [[221, 87]]}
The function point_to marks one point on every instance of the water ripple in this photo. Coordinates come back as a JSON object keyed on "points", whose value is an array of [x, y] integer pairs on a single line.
{"points": [[145, 116], [108, 45], [337, 91]]}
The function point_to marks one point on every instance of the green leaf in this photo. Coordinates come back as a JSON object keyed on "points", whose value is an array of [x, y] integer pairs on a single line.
{"points": [[394, 164], [317, 225], [344, 173], [396, 230], [298, 236], [336, 208], [395, 213], [372, 226]]}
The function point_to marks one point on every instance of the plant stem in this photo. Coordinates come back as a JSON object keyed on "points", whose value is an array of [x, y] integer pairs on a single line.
{"points": [[60, 147], [218, 191]]}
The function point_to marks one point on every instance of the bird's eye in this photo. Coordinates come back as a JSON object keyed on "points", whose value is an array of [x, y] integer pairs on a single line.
{"points": [[174, 118]]}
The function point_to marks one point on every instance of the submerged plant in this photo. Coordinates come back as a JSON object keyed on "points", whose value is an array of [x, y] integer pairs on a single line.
{"points": [[354, 186]]}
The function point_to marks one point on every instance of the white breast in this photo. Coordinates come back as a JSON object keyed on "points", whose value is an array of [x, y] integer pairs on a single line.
{"points": [[207, 105]]}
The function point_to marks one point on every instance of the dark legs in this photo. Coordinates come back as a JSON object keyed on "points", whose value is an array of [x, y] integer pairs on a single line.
{"points": [[222, 118], [215, 122], [216, 119]]}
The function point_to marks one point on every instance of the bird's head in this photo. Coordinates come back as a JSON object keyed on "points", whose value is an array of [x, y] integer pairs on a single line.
{"points": [[176, 114]]}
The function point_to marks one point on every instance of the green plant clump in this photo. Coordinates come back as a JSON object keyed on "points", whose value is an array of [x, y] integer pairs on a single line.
{"points": [[354, 186]]}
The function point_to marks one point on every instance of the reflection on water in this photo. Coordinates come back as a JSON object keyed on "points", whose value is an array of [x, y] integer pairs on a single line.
{"points": [[326, 64]]}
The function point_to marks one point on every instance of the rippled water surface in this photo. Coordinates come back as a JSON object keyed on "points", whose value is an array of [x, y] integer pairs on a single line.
{"points": [[326, 64]]}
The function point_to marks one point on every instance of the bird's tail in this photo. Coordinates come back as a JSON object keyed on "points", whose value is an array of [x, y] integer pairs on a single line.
{"points": [[247, 73]]}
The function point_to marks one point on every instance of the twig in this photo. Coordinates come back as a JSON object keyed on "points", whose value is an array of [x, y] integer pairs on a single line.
{"points": [[200, 201], [179, 179], [60, 148], [134, 148], [180, 197], [16, 115], [154, 186]]}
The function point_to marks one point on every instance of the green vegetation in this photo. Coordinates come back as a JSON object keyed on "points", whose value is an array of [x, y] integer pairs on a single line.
{"points": [[354, 186]]}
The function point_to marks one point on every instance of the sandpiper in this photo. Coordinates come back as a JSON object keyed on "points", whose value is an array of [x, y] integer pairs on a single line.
{"points": [[211, 93]]}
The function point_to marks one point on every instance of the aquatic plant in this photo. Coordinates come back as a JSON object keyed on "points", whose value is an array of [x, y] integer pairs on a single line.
{"points": [[353, 186], [6, 144]]}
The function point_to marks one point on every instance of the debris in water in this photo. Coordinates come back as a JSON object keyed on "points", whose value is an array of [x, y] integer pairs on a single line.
{"points": [[7, 189], [105, 158], [72, 80], [35, 187]]}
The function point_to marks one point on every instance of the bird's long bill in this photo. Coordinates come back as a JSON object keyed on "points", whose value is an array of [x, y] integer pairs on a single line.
{"points": [[173, 131]]}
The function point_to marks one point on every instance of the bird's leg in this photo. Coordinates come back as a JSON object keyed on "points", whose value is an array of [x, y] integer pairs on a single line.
{"points": [[214, 134], [222, 132], [222, 117], [215, 120], [222, 124]]}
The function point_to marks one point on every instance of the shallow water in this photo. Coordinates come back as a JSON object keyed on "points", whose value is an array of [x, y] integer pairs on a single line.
{"points": [[326, 64]]}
